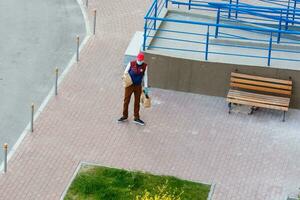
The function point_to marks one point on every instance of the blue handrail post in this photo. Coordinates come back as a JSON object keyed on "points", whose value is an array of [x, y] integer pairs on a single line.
{"points": [[207, 41], [236, 11], [279, 28], [294, 12], [229, 10], [145, 35], [190, 1], [287, 16], [270, 49], [155, 15], [217, 23], [167, 2]]}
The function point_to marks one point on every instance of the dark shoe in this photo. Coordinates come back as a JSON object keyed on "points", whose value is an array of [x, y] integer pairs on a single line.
{"points": [[138, 121], [122, 119]]}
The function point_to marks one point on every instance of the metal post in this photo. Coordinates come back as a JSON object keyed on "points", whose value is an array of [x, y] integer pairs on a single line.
{"points": [[287, 16], [294, 11], [87, 3], [217, 23], [207, 41], [167, 2], [190, 1], [56, 80], [145, 35], [229, 108], [279, 28], [155, 15], [236, 11], [5, 147], [32, 116], [283, 116], [77, 52], [95, 20], [270, 49], [229, 10]]}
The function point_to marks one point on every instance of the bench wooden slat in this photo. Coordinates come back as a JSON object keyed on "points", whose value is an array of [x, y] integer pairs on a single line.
{"points": [[260, 105], [258, 98], [262, 96], [260, 78], [258, 101], [259, 88], [260, 83]]}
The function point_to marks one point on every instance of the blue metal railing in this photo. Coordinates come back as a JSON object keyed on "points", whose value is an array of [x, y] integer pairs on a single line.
{"points": [[153, 17]]}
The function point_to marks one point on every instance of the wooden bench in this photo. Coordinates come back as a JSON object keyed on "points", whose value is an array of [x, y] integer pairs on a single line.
{"points": [[259, 92]]}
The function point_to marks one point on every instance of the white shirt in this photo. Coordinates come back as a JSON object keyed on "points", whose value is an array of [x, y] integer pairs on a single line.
{"points": [[145, 78]]}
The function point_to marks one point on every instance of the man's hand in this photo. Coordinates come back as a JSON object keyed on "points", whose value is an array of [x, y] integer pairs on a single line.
{"points": [[146, 90]]}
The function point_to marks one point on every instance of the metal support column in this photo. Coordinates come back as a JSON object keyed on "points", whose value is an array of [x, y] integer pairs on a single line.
{"points": [[217, 22], [236, 11], [279, 28], [145, 35], [155, 15], [287, 16], [229, 10], [294, 11], [270, 50], [207, 41]]}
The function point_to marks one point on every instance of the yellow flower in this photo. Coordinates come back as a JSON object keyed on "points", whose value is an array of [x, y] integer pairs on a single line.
{"points": [[161, 193]]}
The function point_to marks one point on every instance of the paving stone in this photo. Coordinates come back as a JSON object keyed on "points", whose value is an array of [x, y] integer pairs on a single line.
{"points": [[187, 135]]}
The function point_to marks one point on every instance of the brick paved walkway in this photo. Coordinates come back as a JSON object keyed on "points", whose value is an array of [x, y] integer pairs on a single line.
{"points": [[187, 135]]}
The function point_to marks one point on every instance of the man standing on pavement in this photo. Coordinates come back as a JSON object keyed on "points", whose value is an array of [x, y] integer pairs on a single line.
{"points": [[137, 70]]}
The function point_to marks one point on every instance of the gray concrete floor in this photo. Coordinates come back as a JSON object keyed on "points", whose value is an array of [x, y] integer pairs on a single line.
{"points": [[209, 17], [36, 36]]}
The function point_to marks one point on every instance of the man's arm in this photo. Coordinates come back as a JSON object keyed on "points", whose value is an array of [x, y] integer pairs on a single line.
{"points": [[127, 68], [146, 78]]}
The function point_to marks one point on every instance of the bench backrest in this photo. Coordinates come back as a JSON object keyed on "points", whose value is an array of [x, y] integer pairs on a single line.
{"points": [[262, 84]]}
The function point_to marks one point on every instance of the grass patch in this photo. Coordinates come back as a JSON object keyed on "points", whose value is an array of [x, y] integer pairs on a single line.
{"points": [[102, 183]]}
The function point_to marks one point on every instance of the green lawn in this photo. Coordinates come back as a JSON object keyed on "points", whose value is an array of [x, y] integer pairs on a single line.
{"points": [[102, 183]]}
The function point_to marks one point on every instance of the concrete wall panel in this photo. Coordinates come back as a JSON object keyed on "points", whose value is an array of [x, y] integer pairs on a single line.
{"points": [[207, 77]]}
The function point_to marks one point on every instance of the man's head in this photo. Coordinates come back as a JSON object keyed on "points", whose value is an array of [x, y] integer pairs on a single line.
{"points": [[140, 58]]}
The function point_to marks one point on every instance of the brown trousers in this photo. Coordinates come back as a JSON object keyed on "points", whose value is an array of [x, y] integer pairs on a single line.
{"points": [[137, 90]]}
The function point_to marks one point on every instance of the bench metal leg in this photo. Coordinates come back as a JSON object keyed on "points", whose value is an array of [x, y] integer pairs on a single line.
{"points": [[252, 110], [229, 106], [283, 120]]}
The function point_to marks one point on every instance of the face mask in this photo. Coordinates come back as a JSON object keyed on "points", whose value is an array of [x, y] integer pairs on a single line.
{"points": [[139, 62]]}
